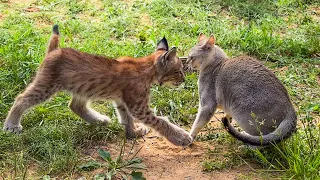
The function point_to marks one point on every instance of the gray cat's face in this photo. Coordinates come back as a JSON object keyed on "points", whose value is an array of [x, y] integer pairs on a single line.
{"points": [[200, 53]]}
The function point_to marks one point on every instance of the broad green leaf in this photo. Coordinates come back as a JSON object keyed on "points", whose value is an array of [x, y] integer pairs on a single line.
{"points": [[137, 175], [104, 155], [91, 165], [135, 160], [137, 166]]}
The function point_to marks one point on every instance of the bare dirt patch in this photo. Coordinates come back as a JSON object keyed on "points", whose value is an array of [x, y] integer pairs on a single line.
{"points": [[315, 12], [146, 20], [282, 71], [32, 9], [166, 161]]}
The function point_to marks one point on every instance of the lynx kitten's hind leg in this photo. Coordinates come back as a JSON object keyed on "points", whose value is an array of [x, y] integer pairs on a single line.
{"points": [[79, 106], [132, 130], [35, 93]]}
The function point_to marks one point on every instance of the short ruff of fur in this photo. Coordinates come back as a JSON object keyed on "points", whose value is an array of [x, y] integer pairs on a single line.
{"points": [[126, 81], [246, 91]]}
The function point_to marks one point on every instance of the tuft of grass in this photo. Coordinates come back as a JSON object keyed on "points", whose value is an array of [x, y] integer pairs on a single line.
{"points": [[117, 167], [299, 156]]}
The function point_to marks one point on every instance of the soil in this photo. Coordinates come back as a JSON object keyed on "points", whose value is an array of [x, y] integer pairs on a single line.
{"points": [[166, 161]]}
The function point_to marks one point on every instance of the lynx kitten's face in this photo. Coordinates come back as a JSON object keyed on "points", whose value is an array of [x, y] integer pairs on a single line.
{"points": [[175, 75], [170, 69]]}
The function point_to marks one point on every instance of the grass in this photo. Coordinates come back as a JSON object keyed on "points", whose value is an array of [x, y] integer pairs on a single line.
{"points": [[285, 34], [119, 167]]}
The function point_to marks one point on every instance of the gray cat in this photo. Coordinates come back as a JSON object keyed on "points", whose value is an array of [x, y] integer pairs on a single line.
{"points": [[245, 90]]}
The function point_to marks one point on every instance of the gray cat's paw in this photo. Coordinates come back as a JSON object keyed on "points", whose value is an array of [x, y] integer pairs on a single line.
{"points": [[180, 138], [13, 128], [139, 131]]}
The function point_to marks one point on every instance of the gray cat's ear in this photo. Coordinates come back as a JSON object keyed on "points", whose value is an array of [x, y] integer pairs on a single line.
{"points": [[163, 44], [210, 43], [170, 55], [201, 37]]}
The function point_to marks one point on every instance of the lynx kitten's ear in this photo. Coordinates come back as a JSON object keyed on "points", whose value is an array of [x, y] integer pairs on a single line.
{"points": [[170, 55], [201, 37], [163, 44], [209, 43]]}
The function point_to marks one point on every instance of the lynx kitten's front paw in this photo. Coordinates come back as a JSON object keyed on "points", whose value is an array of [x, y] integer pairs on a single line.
{"points": [[12, 128], [180, 137], [139, 131]]}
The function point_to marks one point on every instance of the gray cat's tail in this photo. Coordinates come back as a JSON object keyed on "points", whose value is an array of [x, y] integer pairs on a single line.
{"points": [[283, 131], [54, 40]]}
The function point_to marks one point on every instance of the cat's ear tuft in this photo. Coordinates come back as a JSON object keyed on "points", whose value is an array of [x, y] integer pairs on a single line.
{"points": [[201, 37], [210, 43], [163, 44], [170, 55]]}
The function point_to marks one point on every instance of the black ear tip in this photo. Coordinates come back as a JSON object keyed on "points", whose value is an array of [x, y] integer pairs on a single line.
{"points": [[163, 44], [55, 29], [164, 40]]}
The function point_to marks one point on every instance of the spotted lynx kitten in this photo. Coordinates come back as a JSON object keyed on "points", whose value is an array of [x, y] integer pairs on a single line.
{"points": [[245, 90], [125, 81]]}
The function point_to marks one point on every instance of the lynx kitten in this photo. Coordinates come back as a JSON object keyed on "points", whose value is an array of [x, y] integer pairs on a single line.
{"points": [[126, 82]]}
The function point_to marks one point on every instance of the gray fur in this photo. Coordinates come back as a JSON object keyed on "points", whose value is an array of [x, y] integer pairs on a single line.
{"points": [[246, 91]]}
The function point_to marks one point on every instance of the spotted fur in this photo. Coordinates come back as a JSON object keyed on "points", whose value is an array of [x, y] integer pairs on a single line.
{"points": [[126, 81]]}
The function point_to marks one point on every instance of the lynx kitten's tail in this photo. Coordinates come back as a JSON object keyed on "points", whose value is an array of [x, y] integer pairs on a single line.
{"points": [[283, 131], [54, 41]]}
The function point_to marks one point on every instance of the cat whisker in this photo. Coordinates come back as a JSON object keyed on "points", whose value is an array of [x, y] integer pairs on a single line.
{"points": [[189, 67]]}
